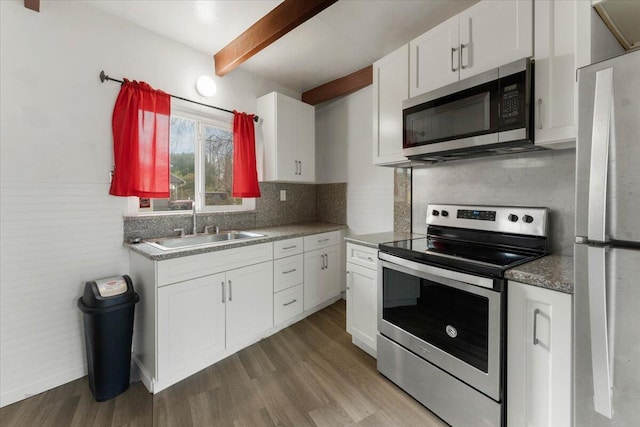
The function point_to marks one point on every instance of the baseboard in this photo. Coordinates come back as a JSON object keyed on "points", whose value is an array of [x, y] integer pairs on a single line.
{"points": [[25, 391], [143, 374]]}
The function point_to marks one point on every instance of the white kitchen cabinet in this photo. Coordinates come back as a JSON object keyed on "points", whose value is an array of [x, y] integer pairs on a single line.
{"points": [[322, 266], [390, 88], [191, 325], [538, 357], [249, 305], [288, 131], [362, 285], [485, 36], [566, 38]]}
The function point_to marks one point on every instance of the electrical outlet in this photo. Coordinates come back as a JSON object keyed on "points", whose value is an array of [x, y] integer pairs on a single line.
{"points": [[283, 195]]}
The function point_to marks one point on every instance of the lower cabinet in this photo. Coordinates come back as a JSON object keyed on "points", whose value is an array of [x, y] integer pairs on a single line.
{"points": [[538, 357], [362, 297], [191, 324], [200, 319], [321, 276]]}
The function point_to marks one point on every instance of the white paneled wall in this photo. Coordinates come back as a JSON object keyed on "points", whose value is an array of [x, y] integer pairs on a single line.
{"points": [[59, 226], [54, 238], [344, 130]]}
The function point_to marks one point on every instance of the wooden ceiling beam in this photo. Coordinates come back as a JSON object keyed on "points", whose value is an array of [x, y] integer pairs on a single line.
{"points": [[32, 4], [338, 87], [275, 24]]}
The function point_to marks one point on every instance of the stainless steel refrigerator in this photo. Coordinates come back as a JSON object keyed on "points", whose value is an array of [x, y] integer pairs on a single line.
{"points": [[606, 375]]}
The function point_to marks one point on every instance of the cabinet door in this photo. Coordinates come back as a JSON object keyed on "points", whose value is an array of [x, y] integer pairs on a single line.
{"points": [[494, 33], [313, 277], [249, 302], [331, 279], [191, 325], [362, 322], [306, 136], [434, 58], [286, 138], [538, 357], [555, 73], [390, 88]]}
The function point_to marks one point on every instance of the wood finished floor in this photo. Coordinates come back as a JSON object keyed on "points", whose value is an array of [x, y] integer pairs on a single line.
{"points": [[309, 374]]}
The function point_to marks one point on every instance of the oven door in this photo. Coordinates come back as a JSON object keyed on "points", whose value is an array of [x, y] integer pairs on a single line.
{"points": [[451, 319]]}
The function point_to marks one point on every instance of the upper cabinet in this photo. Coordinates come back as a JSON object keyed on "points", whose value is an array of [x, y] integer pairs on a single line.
{"points": [[390, 88], [485, 36], [288, 130], [568, 36]]}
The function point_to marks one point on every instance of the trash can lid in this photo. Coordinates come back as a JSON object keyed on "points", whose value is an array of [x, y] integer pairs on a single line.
{"points": [[108, 292]]}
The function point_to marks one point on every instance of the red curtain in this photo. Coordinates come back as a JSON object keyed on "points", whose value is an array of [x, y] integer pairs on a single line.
{"points": [[245, 174], [140, 125]]}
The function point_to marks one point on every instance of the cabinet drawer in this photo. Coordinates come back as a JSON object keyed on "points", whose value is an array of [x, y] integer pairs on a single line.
{"points": [[287, 272], [363, 256], [287, 304], [193, 266], [283, 248], [318, 241]]}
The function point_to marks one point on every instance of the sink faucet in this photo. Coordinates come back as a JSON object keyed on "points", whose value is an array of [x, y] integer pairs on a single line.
{"points": [[206, 229], [193, 207], [179, 230]]}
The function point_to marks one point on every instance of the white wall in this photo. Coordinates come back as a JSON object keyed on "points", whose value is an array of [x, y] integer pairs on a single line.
{"points": [[58, 226], [344, 130]]}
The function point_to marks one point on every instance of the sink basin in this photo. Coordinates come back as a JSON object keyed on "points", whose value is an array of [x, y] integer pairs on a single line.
{"points": [[201, 240]]}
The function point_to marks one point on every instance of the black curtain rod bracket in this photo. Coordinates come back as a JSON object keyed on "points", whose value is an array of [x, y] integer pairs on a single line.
{"points": [[104, 77]]}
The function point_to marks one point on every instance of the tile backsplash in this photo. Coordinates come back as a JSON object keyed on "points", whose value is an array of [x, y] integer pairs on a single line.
{"points": [[304, 203], [544, 178]]}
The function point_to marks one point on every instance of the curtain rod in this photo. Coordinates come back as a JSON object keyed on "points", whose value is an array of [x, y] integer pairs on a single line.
{"points": [[104, 77]]}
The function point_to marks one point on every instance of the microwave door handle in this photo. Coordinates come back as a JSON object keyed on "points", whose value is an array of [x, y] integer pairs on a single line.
{"points": [[599, 330], [600, 139]]}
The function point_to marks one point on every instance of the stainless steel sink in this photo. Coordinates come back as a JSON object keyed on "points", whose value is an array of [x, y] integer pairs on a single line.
{"points": [[201, 240]]}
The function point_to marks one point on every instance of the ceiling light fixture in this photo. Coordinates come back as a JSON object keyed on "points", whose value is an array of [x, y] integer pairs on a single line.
{"points": [[206, 87]]}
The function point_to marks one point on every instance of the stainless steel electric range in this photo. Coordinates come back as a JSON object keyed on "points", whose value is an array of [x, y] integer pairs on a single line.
{"points": [[442, 307]]}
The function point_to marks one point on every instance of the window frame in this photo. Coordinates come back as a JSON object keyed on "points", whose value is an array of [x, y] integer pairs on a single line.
{"points": [[202, 120]]}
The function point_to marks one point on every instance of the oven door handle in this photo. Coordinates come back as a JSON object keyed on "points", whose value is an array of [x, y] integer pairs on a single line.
{"points": [[484, 282]]}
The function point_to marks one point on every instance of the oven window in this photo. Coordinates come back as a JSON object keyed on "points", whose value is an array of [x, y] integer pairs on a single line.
{"points": [[455, 321]]}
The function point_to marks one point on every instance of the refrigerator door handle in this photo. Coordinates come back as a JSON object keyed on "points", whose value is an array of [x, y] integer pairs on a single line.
{"points": [[601, 133], [600, 357]]}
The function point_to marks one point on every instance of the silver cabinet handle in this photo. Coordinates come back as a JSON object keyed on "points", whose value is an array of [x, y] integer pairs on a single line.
{"points": [[535, 326], [326, 257], [602, 111], [289, 247], [453, 51], [462, 46], [348, 276], [289, 271], [290, 302], [323, 261], [222, 285], [601, 353], [323, 240], [230, 291], [300, 167], [539, 113]]}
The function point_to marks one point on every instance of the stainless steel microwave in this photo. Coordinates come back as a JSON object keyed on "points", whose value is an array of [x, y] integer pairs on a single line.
{"points": [[487, 114]]}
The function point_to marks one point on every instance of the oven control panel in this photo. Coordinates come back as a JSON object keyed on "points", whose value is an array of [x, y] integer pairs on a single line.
{"points": [[504, 219]]}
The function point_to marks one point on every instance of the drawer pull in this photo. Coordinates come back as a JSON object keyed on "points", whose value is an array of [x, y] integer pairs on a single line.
{"points": [[289, 271], [289, 247], [230, 291], [323, 240], [222, 285], [290, 302]]}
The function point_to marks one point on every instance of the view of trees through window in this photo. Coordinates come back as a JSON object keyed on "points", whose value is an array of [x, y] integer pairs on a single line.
{"points": [[216, 151]]}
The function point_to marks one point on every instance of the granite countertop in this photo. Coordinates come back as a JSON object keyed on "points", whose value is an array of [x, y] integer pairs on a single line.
{"points": [[552, 272], [271, 234], [373, 240]]}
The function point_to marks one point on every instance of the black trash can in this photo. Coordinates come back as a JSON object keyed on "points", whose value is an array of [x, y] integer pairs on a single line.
{"points": [[108, 306]]}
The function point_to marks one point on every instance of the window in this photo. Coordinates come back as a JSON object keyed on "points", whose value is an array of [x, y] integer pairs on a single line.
{"points": [[201, 158]]}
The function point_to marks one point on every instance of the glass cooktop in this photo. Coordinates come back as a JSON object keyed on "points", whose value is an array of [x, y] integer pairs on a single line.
{"points": [[462, 256]]}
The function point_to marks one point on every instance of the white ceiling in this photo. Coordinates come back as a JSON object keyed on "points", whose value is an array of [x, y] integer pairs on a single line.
{"points": [[344, 38]]}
